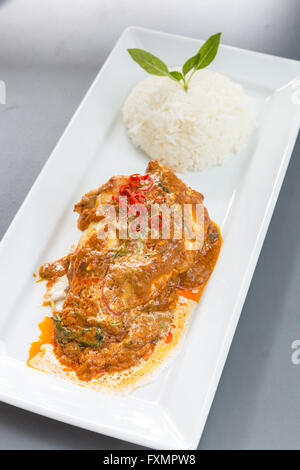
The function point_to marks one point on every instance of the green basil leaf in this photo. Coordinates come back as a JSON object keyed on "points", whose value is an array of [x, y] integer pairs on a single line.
{"points": [[190, 63], [208, 51], [177, 75], [155, 66], [149, 62], [163, 187]]}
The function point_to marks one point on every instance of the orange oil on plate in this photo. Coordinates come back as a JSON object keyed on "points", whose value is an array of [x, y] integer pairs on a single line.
{"points": [[46, 337]]}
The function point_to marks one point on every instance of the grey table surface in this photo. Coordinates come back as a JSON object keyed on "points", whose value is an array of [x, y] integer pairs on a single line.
{"points": [[50, 53]]}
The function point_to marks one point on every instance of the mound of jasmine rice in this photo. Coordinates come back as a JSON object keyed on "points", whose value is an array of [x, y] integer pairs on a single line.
{"points": [[189, 130]]}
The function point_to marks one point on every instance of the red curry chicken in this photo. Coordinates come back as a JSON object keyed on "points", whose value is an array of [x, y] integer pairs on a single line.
{"points": [[120, 294]]}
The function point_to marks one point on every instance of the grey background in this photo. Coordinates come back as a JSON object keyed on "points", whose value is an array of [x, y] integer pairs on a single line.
{"points": [[50, 51]]}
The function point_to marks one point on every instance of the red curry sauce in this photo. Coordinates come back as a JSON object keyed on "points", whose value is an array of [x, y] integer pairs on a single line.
{"points": [[121, 298]]}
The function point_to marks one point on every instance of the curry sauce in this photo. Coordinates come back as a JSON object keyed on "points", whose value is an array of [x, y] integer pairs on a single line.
{"points": [[121, 294]]}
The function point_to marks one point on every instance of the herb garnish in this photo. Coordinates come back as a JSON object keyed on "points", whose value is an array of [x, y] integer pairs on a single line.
{"points": [[116, 323], [156, 66], [121, 251], [85, 337], [149, 255], [163, 187]]}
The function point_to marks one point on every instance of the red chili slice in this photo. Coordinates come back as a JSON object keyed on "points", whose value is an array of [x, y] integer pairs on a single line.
{"points": [[115, 199], [135, 179], [123, 188], [105, 300], [140, 197], [158, 199], [131, 195], [126, 191], [147, 177]]}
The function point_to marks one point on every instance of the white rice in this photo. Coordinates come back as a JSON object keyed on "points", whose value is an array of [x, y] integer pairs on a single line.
{"points": [[189, 130]]}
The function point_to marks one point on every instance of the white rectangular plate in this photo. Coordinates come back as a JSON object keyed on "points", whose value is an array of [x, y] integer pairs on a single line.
{"points": [[170, 412]]}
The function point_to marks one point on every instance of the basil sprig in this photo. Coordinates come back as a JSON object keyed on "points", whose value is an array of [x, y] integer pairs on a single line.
{"points": [[156, 66]]}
